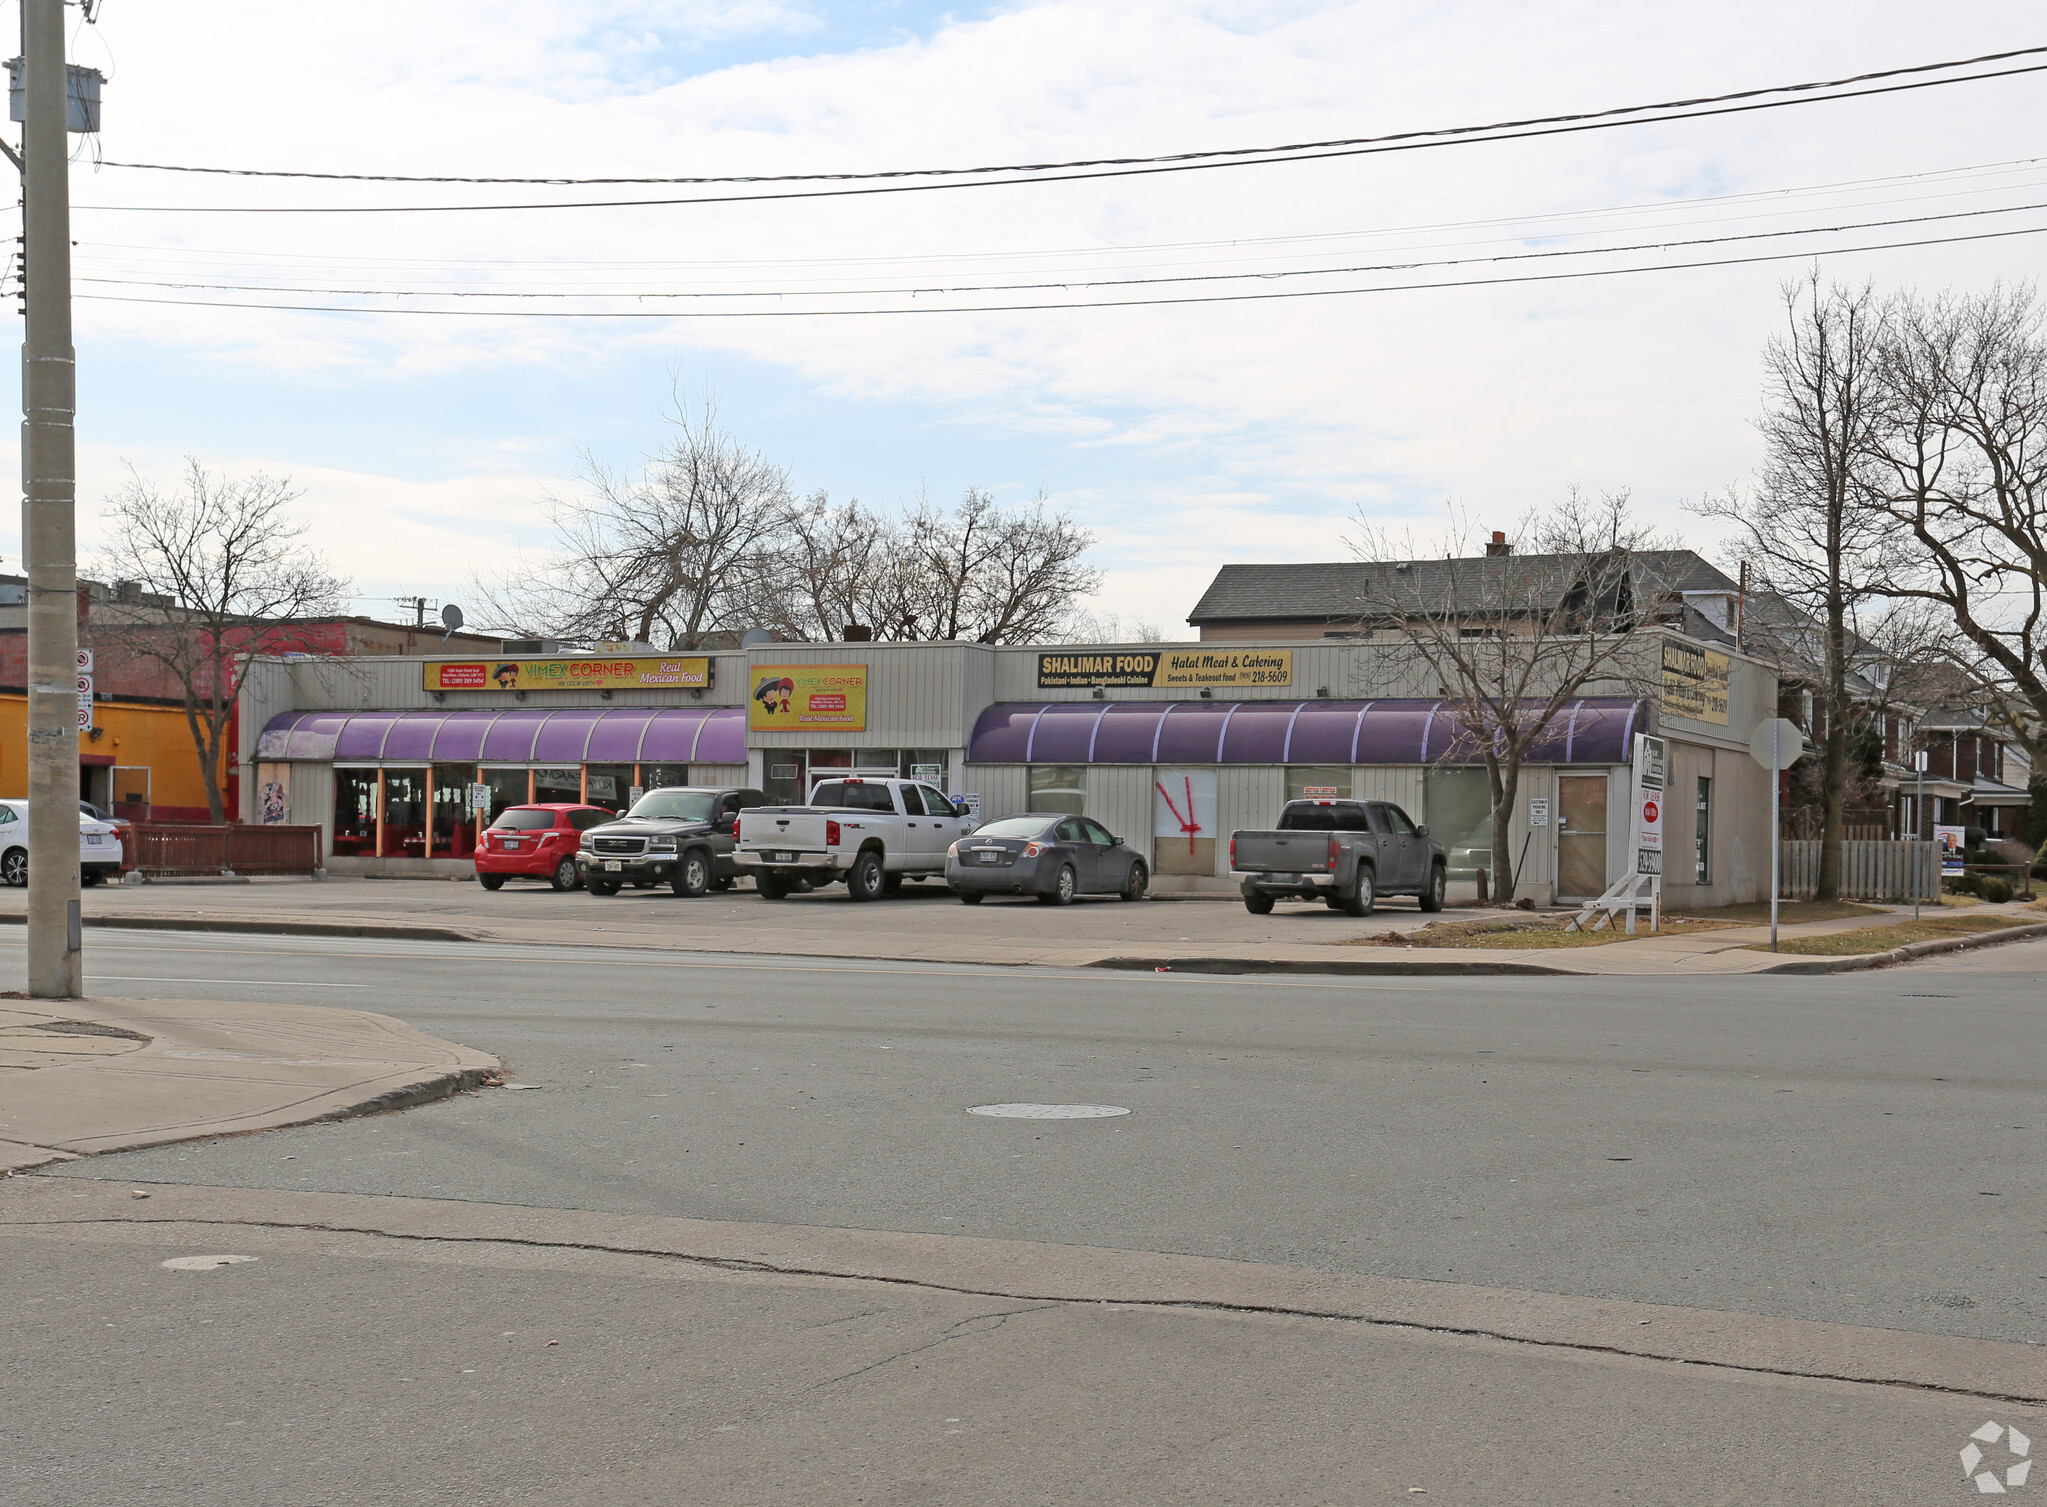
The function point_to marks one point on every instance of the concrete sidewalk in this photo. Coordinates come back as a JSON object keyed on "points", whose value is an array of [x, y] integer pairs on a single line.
{"points": [[87, 1076], [924, 924]]}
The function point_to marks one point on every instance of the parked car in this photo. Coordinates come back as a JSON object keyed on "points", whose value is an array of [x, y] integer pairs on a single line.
{"points": [[1344, 853], [1051, 856], [873, 834], [536, 842], [99, 847], [681, 835]]}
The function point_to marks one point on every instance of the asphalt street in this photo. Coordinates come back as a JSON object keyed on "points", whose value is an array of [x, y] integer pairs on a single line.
{"points": [[1860, 1150]]}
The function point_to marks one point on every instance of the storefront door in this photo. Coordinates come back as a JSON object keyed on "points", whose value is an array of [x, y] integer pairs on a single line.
{"points": [[1581, 836]]}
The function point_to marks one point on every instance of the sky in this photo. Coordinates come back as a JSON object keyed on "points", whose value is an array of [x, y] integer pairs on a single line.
{"points": [[1185, 436]]}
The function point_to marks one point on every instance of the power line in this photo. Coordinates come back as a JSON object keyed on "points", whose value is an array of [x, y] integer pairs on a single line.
{"points": [[1032, 308], [1114, 282], [1373, 146], [1172, 157]]}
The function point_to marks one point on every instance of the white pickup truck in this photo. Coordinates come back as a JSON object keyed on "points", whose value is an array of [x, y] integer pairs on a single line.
{"points": [[873, 834]]}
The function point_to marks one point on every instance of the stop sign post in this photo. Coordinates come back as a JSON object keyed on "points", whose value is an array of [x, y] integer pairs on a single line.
{"points": [[1776, 744]]}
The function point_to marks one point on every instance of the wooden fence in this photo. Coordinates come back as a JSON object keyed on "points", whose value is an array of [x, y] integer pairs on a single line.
{"points": [[1869, 870], [166, 849]]}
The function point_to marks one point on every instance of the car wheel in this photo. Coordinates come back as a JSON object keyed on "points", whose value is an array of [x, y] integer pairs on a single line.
{"points": [[692, 876], [14, 868], [771, 887], [601, 886], [972, 899], [867, 879], [564, 875], [1134, 886], [491, 881], [1258, 905], [1062, 887], [1362, 896], [1432, 897]]}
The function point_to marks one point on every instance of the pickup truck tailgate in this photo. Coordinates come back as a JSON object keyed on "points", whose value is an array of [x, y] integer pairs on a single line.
{"points": [[1281, 852], [767, 830]]}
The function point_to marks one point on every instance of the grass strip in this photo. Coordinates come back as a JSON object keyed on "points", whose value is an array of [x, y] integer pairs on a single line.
{"points": [[1844, 944]]}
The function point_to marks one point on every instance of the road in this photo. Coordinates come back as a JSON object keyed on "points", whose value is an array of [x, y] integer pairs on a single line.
{"points": [[1862, 1150]]}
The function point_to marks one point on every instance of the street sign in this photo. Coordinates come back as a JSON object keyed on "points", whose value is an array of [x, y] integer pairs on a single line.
{"points": [[1790, 743], [85, 713], [85, 661], [1538, 811]]}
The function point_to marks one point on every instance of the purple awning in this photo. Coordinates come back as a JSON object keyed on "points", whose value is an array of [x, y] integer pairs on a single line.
{"points": [[1593, 730], [523, 735]]}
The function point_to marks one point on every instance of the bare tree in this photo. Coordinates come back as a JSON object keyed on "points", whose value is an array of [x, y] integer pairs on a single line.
{"points": [[1963, 457], [212, 574], [688, 547], [837, 568], [983, 574], [1808, 527], [1512, 636]]}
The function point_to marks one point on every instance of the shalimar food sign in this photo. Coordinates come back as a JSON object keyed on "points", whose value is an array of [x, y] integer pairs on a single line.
{"points": [[1168, 668]]}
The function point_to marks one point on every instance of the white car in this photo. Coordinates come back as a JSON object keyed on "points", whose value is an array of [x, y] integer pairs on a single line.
{"points": [[99, 846]]}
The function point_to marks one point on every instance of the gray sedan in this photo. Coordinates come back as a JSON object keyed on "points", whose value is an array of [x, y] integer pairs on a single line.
{"points": [[1047, 855]]}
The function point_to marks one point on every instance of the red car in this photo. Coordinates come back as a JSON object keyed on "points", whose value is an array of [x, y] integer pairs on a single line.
{"points": [[536, 842]]}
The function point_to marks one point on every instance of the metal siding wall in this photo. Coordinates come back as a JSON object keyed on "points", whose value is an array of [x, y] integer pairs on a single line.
{"points": [[1119, 797], [1003, 788], [1248, 797], [1398, 783], [312, 800], [718, 774]]}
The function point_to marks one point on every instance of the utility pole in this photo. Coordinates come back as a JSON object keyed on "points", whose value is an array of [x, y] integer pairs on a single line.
{"points": [[49, 525]]}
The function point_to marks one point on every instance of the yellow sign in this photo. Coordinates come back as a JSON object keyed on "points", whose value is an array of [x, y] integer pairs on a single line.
{"points": [[1694, 683], [800, 698], [1225, 667], [569, 672]]}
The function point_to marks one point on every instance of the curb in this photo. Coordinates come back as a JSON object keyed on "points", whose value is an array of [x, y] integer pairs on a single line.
{"points": [[1389, 967], [1909, 951], [370, 929]]}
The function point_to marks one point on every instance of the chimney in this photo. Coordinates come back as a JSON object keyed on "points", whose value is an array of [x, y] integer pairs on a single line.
{"points": [[1499, 544]]}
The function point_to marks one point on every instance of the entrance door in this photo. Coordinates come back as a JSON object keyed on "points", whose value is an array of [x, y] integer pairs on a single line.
{"points": [[1581, 836]]}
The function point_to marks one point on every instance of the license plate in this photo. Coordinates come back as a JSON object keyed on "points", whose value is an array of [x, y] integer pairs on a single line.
{"points": [[781, 858], [988, 858], [94, 838], [511, 847], [1285, 878], [612, 866]]}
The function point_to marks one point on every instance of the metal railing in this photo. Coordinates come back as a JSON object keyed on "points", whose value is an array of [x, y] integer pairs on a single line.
{"points": [[155, 850]]}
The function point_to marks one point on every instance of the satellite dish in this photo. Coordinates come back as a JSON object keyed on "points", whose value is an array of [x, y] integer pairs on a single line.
{"points": [[451, 617], [755, 636]]}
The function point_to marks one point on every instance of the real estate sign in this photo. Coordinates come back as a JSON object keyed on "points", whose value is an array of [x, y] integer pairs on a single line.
{"points": [[1694, 683], [569, 672], [1168, 667], [803, 698], [1652, 775]]}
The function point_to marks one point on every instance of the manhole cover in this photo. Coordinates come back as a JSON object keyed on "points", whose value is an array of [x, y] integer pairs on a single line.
{"points": [[1048, 1111]]}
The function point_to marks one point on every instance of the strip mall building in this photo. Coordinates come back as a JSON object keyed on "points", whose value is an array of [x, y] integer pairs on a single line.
{"points": [[403, 759]]}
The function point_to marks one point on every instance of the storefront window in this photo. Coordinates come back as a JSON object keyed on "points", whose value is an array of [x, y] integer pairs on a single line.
{"points": [[1459, 807], [355, 812], [454, 822], [656, 776], [927, 764], [1059, 787], [404, 814], [610, 786], [563, 784], [507, 788], [1306, 782]]}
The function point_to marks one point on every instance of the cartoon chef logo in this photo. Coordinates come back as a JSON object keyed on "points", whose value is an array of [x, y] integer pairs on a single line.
{"points": [[773, 693]]}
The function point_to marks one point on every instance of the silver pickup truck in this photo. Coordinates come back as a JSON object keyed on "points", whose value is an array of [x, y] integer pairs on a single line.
{"points": [[1344, 853], [873, 834]]}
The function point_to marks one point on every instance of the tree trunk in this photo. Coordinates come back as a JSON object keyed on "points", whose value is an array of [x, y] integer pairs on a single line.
{"points": [[1504, 776], [1834, 768]]}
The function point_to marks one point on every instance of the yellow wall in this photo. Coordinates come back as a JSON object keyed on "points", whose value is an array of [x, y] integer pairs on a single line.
{"points": [[154, 737]]}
